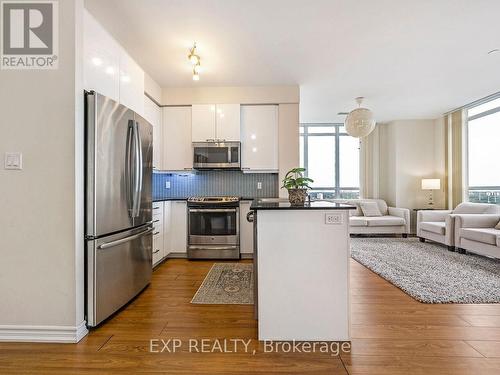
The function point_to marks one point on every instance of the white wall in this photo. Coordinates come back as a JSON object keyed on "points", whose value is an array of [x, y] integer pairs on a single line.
{"points": [[409, 151], [288, 141], [41, 240], [231, 94]]}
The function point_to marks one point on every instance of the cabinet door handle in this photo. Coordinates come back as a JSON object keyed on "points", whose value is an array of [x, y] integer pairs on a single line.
{"points": [[156, 208], [156, 251], [155, 233]]}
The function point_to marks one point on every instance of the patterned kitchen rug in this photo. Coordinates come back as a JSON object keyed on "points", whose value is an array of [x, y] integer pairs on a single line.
{"points": [[227, 284]]}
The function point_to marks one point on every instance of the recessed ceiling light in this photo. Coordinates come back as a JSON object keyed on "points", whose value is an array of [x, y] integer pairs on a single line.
{"points": [[496, 50]]}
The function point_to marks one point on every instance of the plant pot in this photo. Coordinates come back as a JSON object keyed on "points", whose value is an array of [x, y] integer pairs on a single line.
{"points": [[297, 197]]}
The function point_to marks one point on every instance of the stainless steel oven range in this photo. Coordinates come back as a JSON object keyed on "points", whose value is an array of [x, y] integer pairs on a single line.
{"points": [[213, 228]]}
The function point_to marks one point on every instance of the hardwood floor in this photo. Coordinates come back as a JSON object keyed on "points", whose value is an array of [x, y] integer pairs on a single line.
{"points": [[391, 334]]}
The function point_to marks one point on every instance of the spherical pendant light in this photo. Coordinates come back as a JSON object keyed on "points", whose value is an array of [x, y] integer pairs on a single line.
{"points": [[359, 122]]}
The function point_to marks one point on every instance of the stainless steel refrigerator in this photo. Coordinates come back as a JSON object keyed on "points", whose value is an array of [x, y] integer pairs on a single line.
{"points": [[118, 205]]}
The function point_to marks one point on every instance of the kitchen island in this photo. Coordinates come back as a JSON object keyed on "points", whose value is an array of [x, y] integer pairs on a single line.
{"points": [[301, 265]]}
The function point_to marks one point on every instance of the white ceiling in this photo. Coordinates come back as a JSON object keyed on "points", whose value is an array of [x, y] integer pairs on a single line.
{"points": [[410, 59]]}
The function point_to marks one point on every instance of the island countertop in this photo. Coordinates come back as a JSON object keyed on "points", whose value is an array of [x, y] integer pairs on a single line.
{"points": [[284, 204]]}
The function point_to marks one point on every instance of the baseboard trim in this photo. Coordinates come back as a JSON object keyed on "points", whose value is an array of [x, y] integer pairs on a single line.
{"points": [[51, 334], [176, 256], [184, 256]]}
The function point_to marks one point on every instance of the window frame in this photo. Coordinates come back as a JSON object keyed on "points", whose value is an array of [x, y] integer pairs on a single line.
{"points": [[337, 134], [468, 118]]}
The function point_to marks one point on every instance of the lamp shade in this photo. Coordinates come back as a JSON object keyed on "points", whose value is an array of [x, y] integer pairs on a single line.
{"points": [[360, 121], [431, 184]]}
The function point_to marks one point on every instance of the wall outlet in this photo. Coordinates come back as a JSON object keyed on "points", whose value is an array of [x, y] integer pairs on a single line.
{"points": [[167, 184], [13, 160], [259, 185], [335, 218]]}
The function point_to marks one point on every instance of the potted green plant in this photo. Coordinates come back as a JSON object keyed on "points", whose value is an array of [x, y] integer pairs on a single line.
{"points": [[297, 185]]}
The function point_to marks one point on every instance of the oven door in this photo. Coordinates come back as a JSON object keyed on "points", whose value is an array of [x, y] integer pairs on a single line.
{"points": [[213, 226], [209, 155]]}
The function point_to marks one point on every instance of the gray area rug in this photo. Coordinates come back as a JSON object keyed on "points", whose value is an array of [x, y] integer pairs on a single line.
{"points": [[227, 283], [429, 272]]}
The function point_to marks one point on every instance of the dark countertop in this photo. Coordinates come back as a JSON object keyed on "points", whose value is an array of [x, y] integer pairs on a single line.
{"points": [[285, 205], [185, 199], [169, 199]]}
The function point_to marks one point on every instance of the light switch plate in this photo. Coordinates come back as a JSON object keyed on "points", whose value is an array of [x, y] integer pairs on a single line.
{"points": [[259, 185], [167, 184], [13, 160], [334, 219]]}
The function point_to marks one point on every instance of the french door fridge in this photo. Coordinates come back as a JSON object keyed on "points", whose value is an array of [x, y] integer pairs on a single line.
{"points": [[118, 205]]}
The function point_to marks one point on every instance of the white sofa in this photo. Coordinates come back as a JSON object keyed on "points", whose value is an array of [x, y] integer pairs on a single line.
{"points": [[393, 220], [439, 225], [477, 234]]}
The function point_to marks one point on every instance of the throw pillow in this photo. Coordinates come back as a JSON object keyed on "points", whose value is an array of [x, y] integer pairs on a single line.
{"points": [[498, 225], [370, 209]]}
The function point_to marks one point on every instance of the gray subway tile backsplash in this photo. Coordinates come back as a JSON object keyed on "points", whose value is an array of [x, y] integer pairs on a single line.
{"points": [[214, 183]]}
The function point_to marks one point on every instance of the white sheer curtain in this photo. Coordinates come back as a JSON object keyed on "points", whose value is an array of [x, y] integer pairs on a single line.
{"points": [[369, 165]]}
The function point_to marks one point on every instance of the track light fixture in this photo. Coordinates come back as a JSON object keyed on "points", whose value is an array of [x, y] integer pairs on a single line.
{"points": [[195, 61]]}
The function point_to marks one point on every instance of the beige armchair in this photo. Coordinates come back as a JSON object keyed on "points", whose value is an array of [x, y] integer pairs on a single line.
{"points": [[477, 234], [439, 225]]}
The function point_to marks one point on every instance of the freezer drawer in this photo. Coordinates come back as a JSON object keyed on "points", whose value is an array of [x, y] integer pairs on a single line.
{"points": [[118, 268]]}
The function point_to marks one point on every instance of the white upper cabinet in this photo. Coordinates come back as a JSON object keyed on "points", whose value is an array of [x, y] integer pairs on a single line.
{"points": [[131, 83], [227, 122], [101, 56], [216, 122], [203, 122], [259, 138], [176, 148], [108, 69], [152, 113]]}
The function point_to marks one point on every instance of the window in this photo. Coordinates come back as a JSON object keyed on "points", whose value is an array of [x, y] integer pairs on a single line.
{"points": [[483, 134], [331, 159]]}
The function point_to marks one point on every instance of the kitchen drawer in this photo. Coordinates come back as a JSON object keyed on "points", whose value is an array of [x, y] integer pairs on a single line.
{"points": [[158, 209], [158, 224], [158, 253]]}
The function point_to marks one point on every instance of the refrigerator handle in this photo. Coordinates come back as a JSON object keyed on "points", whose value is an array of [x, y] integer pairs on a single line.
{"points": [[123, 240], [128, 168], [138, 169]]}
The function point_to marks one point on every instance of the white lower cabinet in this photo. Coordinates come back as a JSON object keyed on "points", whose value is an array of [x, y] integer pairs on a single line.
{"points": [[246, 229], [178, 227], [158, 237], [169, 229]]}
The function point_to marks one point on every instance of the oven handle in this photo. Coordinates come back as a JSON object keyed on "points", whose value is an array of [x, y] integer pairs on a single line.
{"points": [[213, 210], [212, 247]]}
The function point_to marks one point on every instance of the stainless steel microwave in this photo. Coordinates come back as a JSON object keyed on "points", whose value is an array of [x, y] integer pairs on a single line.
{"points": [[216, 155]]}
